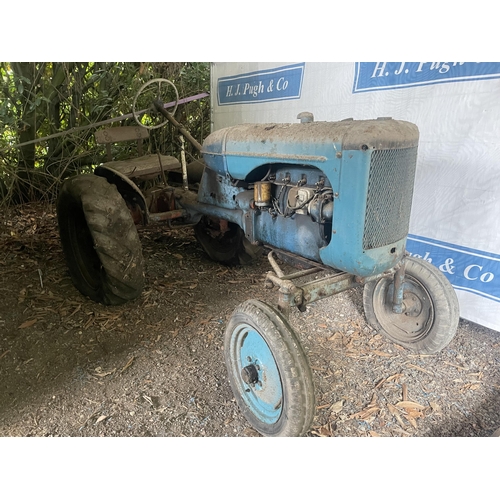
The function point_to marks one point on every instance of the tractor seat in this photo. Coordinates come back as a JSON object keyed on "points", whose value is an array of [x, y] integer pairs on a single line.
{"points": [[142, 167]]}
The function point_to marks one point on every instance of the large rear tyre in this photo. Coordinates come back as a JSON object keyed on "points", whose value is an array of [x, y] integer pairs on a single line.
{"points": [[228, 245], [430, 314], [99, 240], [268, 371]]}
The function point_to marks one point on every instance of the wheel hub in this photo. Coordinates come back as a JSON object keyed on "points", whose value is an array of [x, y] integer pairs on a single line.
{"points": [[412, 304], [249, 374]]}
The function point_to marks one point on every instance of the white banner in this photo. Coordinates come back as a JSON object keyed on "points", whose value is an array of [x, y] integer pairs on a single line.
{"points": [[455, 222]]}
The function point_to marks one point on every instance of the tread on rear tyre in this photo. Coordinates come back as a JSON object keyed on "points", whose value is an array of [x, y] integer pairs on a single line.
{"points": [[99, 239]]}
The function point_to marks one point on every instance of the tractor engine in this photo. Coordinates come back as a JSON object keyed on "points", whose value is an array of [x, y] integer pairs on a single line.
{"points": [[337, 193]]}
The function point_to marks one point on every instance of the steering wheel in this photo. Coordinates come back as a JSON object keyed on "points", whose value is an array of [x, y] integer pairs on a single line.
{"points": [[148, 93]]}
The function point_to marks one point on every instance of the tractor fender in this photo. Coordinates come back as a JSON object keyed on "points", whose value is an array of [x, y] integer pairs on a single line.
{"points": [[129, 191]]}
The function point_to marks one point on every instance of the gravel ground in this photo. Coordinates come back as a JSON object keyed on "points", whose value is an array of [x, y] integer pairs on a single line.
{"points": [[155, 366]]}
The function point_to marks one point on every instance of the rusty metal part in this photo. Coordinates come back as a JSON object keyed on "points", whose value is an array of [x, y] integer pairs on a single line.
{"points": [[274, 264], [164, 216], [224, 226], [399, 278], [136, 213], [262, 194], [290, 294], [296, 260], [162, 200]]}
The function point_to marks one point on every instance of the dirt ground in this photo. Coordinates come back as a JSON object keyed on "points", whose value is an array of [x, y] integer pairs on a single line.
{"points": [[155, 366]]}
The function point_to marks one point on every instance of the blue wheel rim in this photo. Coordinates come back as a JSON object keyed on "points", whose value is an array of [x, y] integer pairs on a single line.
{"points": [[264, 397]]}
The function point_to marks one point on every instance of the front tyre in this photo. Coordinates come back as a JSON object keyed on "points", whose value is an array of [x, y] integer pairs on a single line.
{"points": [[99, 240], [430, 314], [268, 371]]}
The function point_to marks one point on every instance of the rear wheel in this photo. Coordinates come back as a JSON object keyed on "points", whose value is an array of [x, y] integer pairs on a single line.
{"points": [[430, 314], [99, 240], [268, 371], [225, 241]]}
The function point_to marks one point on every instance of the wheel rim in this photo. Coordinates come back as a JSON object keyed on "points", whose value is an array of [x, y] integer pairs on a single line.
{"points": [[251, 357], [417, 318]]}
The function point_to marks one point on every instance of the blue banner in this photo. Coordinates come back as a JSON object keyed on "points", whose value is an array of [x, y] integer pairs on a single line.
{"points": [[370, 76], [466, 268], [267, 85]]}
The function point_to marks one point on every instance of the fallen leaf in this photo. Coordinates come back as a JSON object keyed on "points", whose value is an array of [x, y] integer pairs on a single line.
{"points": [[415, 367], [101, 418], [412, 421], [395, 412], [251, 432], [337, 336], [367, 412], [404, 389], [337, 407], [382, 353], [410, 405], [323, 431], [414, 413], [322, 407], [364, 414], [105, 374], [375, 434], [455, 366], [435, 407], [129, 362], [28, 323], [470, 387]]}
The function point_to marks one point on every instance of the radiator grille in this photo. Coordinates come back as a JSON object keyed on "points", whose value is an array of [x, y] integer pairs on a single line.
{"points": [[390, 191]]}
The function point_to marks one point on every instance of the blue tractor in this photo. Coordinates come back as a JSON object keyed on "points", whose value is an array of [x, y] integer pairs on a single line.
{"points": [[329, 197]]}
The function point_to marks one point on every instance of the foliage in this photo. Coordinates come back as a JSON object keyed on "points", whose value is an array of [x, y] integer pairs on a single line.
{"points": [[61, 103]]}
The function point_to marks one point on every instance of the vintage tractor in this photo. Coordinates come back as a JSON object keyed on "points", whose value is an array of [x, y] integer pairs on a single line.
{"points": [[330, 197]]}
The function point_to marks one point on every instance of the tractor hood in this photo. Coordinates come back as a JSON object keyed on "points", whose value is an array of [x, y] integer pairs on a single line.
{"points": [[235, 151]]}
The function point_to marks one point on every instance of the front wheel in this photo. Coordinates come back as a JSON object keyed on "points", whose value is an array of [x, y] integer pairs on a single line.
{"points": [[268, 371], [430, 314]]}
